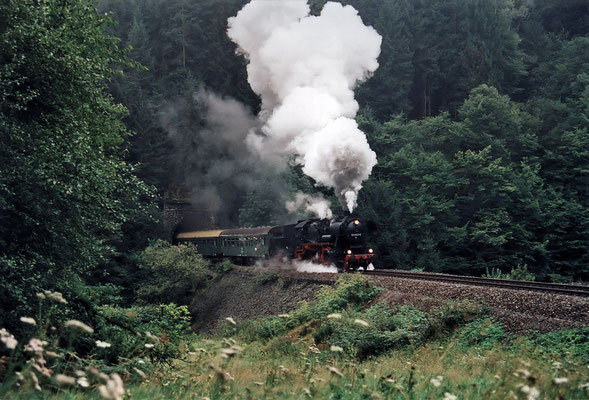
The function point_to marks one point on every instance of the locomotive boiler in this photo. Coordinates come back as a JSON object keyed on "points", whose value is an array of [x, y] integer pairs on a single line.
{"points": [[340, 241]]}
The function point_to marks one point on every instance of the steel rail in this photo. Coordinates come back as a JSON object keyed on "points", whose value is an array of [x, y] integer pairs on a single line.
{"points": [[572, 290]]}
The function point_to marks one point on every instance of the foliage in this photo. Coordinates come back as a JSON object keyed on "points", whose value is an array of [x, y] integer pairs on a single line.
{"points": [[519, 273], [223, 266], [174, 273], [130, 329], [64, 189]]}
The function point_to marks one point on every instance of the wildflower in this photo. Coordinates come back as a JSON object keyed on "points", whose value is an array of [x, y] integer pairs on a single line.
{"points": [[314, 349], [558, 381], [113, 389], [55, 296], [283, 316], [63, 380], [449, 396], [140, 362], [336, 349], [437, 381], [103, 345], [40, 296], [259, 383], [334, 316], [83, 382], [584, 386], [52, 354], [307, 392], [35, 346], [152, 337], [284, 370], [139, 372], [557, 365], [231, 321], [335, 371], [8, 339], [361, 322], [73, 323], [35, 381], [532, 392], [79, 373], [148, 345], [28, 320], [230, 352], [523, 373]]}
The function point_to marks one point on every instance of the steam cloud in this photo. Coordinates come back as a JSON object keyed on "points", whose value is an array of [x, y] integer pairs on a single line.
{"points": [[305, 68], [316, 205]]}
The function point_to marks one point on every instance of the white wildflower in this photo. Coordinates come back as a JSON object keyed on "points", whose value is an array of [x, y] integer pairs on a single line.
{"points": [[152, 337], [8, 339], [283, 315], [284, 370], [55, 296], [335, 371], [450, 396], [336, 349], [314, 349], [40, 296], [259, 383], [35, 381], [113, 389], [148, 345], [307, 392], [103, 345], [230, 352], [334, 316], [35, 346], [584, 386], [557, 365], [523, 373], [28, 320], [83, 382], [361, 322], [139, 372], [63, 380], [559, 381], [140, 362], [231, 321], [79, 373], [532, 392], [437, 381], [75, 324]]}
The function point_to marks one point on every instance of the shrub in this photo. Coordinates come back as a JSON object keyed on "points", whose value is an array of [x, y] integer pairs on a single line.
{"points": [[175, 272], [224, 266], [130, 329], [483, 333]]}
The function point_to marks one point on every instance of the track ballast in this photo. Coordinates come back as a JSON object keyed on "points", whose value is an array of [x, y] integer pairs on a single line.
{"points": [[557, 288]]}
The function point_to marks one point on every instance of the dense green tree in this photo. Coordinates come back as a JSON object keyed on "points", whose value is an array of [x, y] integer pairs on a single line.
{"points": [[64, 189]]}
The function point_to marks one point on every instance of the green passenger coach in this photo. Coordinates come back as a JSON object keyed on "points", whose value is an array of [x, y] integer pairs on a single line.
{"points": [[237, 243]]}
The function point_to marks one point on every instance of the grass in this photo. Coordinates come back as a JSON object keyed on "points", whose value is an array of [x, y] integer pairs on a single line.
{"points": [[321, 351]]}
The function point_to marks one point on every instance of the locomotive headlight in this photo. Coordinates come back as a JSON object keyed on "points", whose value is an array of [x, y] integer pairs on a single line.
{"points": [[349, 251], [356, 222], [370, 251]]}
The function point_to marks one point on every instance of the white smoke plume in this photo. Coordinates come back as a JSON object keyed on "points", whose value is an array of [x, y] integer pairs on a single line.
{"points": [[317, 205], [305, 68]]}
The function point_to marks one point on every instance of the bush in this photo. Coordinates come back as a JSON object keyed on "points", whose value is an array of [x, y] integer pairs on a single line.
{"points": [[129, 330], [483, 333], [224, 266], [175, 273]]}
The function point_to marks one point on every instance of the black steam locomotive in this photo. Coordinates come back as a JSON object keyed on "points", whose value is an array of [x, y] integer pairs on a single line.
{"points": [[340, 241]]}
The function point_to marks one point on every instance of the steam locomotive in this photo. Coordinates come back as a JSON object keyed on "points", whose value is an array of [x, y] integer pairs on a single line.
{"points": [[339, 241]]}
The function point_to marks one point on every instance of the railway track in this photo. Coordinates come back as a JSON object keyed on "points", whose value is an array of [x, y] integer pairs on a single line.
{"points": [[557, 288]]}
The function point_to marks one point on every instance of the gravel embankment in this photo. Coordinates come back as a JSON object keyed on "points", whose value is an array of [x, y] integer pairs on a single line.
{"points": [[518, 310]]}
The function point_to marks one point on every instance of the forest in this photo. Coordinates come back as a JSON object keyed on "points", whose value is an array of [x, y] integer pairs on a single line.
{"points": [[478, 114]]}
